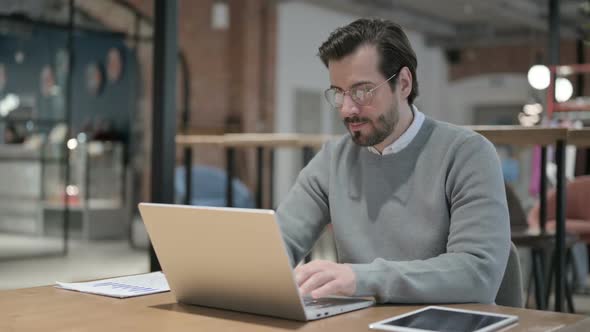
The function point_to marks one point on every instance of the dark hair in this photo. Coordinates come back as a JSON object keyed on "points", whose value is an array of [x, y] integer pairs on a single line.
{"points": [[392, 44]]}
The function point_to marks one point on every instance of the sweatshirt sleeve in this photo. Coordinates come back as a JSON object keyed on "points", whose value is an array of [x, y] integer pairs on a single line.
{"points": [[478, 245], [304, 213]]}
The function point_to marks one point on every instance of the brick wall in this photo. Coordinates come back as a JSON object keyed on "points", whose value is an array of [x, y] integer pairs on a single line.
{"points": [[231, 73], [511, 59]]}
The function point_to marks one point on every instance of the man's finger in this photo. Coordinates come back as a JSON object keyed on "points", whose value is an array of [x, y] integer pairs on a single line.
{"points": [[328, 289], [317, 280], [303, 272]]}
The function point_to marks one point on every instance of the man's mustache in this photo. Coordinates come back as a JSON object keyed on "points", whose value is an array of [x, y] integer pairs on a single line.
{"points": [[355, 119]]}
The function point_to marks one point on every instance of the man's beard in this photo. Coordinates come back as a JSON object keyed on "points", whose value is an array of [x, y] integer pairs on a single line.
{"points": [[384, 126]]}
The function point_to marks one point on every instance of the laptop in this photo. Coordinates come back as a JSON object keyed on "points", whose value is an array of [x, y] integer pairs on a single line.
{"points": [[231, 258]]}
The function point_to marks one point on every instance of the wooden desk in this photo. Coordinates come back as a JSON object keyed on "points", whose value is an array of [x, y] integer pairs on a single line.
{"points": [[51, 309]]}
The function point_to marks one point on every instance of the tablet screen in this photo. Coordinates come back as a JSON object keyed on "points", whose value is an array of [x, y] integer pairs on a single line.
{"points": [[441, 319]]}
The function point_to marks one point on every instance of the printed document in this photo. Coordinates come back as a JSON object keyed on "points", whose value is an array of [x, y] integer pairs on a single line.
{"points": [[122, 287]]}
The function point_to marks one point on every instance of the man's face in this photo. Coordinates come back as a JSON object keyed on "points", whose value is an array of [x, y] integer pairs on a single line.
{"points": [[370, 124]]}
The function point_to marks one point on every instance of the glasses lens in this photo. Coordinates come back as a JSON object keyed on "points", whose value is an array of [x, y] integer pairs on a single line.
{"points": [[335, 97], [362, 95]]}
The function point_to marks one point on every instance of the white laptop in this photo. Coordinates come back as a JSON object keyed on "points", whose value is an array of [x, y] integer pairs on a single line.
{"points": [[232, 259]]}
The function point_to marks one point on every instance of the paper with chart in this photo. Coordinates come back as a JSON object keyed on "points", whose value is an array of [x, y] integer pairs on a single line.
{"points": [[137, 285]]}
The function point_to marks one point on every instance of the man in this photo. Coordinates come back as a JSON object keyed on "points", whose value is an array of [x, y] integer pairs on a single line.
{"points": [[418, 206]]}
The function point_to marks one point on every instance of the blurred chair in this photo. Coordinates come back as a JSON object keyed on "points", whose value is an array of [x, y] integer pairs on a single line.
{"points": [[510, 292], [577, 214], [209, 186], [577, 211], [539, 244], [518, 219]]}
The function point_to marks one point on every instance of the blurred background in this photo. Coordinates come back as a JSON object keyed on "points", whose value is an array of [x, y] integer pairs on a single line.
{"points": [[79, 81]]}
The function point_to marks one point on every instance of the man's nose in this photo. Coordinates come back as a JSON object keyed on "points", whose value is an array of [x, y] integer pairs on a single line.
{"points": [[349, 107]]}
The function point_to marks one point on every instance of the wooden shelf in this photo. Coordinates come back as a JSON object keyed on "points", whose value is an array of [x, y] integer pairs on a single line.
{"points": [[188, 140], [566, 70], [579, 137], [515, 135], [93, 204], [571, 107], [275, 140], [519, 135]]}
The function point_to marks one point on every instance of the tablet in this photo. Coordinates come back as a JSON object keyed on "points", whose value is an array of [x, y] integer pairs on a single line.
{"points": [[443, 319]]}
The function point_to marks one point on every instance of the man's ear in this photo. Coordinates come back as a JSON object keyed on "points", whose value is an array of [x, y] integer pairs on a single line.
{"points": [[405, 82]]}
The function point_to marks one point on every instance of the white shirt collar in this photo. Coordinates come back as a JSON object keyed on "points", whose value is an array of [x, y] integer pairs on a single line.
{"points": [[406, 138]]}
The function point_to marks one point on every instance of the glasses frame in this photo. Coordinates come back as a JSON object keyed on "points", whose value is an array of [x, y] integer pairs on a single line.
{"points": [[344, 93]]}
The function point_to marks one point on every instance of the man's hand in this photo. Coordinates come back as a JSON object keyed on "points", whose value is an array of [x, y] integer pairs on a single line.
{"points": [[324, 278]]}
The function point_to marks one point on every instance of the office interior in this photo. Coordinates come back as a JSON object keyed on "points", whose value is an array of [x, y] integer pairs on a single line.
{"points": [[101, 109]]}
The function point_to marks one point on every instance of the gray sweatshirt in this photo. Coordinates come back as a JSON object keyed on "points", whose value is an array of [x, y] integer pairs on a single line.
{"points": [[428, 224]]}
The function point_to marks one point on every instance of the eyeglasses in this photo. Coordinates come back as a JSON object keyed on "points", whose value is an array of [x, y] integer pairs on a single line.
{"points": [[362, 94]]}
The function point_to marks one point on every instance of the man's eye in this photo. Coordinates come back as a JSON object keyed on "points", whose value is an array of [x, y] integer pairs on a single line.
{"points": [[360, 94], [365, 88]]}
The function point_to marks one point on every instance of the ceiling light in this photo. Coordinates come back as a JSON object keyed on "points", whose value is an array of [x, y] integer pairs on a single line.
{"points": [[72, 190], [19, 57], [539, 77], [9, 104], [563, 89], [72, 144]]}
